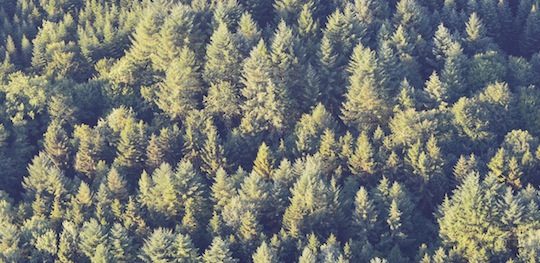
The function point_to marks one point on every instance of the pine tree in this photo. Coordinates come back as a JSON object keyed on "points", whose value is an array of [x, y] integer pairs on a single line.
{"points": [[436, 91], [131, 149], [453, 73], [364, 106], [92, 234], [222, 101], [90, 150], [310, 127], [529, 39], [329, 152], [308, 34], [412, 16], [163, 147], [213, 154], [223, 189], [310, 202], [308, 256], [362, 162], [364, 215], [223, 59], [218, 252], [406, 98], [159, 247], [67, 246], [227, 13], [248, 34], [175, 32], [264, 254], [181, 91], [261, 115], [102, 254], [249, 234], [286, 68], [477, 40], [263, 163], [121, 244], [442, 41], [57, 145], [186, 252]]}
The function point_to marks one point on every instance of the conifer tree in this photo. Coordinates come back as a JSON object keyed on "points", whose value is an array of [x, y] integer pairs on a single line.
{"points": [[364, 105], [262, 165], [264, 254], [185, 249], [436, 91], [261, 115], [212, 154], [163, 147], [477, 40], [67, 245], [228, 13], [175, 32], [442, 40], [453, 73], [218, 252], [131, 149], [223, 59], [159, 247], [364, 215], [286, 68], [362, 162], [90, 150], [91, 236], [181, 91], [529, 39], [223, 189], [121, 244], [222, 101], [310, 127], [308, 34], [248, 34], [57, 145]]}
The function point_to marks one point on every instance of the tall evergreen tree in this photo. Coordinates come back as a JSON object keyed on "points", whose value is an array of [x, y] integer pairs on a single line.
{"points": [[262, 115], [181, 91]]}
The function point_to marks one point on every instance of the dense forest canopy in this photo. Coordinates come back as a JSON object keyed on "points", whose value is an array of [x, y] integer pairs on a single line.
{"points": [[270, 131]]}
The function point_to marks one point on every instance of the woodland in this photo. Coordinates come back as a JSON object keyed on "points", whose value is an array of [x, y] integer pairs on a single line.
{"points": [[265, 131]]}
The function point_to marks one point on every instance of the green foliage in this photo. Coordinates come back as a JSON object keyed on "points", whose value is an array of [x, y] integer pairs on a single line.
{"points": [[269, 131]]}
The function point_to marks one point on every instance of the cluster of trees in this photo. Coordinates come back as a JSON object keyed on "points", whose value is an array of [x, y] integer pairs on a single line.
{"points": [[269, 131]]}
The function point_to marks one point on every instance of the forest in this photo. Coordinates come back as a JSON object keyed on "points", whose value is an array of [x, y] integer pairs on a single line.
{"points": [[266, 131]]}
